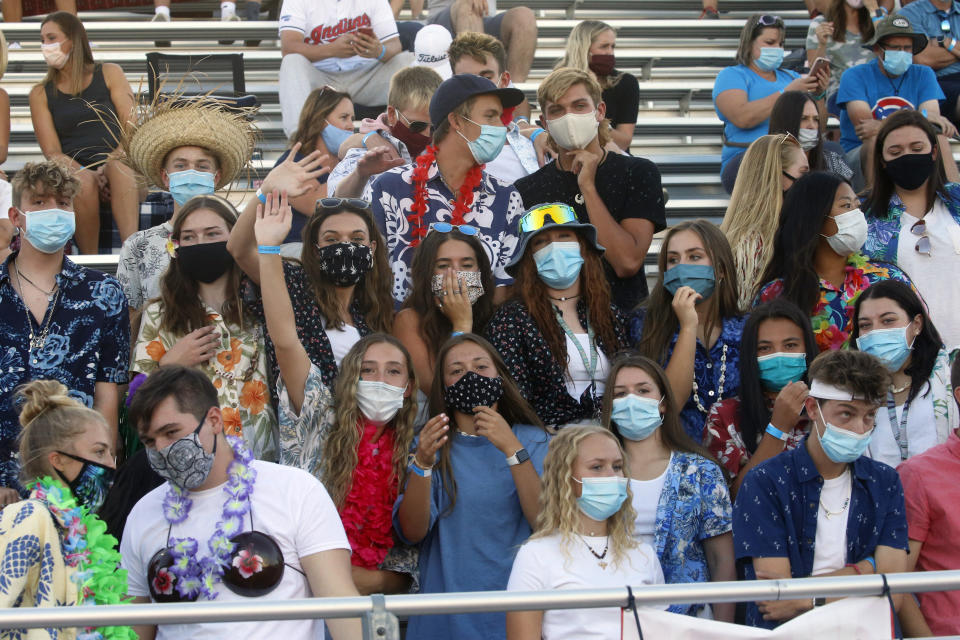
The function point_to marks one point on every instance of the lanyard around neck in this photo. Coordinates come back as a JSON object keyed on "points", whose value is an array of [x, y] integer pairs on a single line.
{"points": [[591, 363]]}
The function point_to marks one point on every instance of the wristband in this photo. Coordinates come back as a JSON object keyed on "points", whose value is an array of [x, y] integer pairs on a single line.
{"points": [[776, 433], [873, 563], [533, 136], [363, 141], [855, 568], [267, 249], [821, 95], [953, 45], [456, 333], [383, 51], [423, 473], [262, 198]]}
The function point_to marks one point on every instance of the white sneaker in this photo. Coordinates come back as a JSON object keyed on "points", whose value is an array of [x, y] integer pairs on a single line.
{"points": [[231, 17], [160, 17]]}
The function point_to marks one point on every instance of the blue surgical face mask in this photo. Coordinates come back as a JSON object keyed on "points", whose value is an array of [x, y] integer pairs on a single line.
{"points": [[839, 444], [896, 63], [558, 264], [636, 417], [488, 144], [777, 370], [333, 137], [700, 278], [187, 184], [602, 497], [890, 345], [50, 229], [770, 58]]}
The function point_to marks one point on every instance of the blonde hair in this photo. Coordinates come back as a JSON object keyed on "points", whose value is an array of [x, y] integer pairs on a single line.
{"points": [[559, 82], [753, 214], [413, 87], [50, 420], [577, 53], [559, 512], [43, 179], [477, 46], [340, 449]]}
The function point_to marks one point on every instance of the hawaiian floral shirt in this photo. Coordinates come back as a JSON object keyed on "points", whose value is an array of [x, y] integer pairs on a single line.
{"points": [[694, 505], [238, 371], [301, 445], [495, 211], [143, 261], [722, 437], [832, 316], [708, 368], [346, 166], [88, 342], [883, 228], [775, 515], [310, 322], [542, 380]]}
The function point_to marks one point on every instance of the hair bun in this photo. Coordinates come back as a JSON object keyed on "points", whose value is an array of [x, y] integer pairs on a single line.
{"points": [[40, 396]]}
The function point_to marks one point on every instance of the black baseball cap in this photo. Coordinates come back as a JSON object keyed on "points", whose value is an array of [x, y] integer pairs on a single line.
{"points": [[458, 89]]}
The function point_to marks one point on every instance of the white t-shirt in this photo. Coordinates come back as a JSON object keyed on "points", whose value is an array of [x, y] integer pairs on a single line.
{"points": [[288, 504], [646, 497], [342, 340], [830, 544], [323, 21], [6, 200], [921, 431], [577, 377], [942, 294], [541, 565], [506, 166]]}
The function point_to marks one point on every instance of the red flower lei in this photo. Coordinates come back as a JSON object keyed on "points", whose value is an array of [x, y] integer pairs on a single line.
{"points": [[367, 511], [419, 207]]}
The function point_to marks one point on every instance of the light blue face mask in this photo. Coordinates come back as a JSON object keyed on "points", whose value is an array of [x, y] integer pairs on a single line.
{"points": [[890, 345], [333, 137], [558, 264], [187, 184], [50, 229], [488, 144], [777, 370], [896, 63], [602, 497], [700, 278], [770, 58], [841, 445], [636, 417]]}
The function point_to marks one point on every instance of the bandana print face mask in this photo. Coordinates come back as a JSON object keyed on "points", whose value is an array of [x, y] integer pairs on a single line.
{"points": [[471, 280]]}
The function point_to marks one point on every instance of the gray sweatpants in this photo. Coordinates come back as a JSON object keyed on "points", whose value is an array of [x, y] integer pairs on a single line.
{"points": [[369, 86]]}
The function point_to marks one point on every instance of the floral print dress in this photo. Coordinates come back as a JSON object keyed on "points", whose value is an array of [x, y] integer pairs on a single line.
{"points": [[238, 371]]}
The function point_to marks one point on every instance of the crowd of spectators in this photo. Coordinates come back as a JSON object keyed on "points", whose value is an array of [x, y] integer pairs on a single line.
{"points": [[424, 357]]}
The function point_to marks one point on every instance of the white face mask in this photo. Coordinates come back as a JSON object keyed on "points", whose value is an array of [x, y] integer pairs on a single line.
{"points": [[53, 55], [851, 233], [574, 130], [808, 138], [379, 401]]}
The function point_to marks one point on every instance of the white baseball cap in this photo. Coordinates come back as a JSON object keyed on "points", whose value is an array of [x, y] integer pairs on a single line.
{"points": [[430, 49]]}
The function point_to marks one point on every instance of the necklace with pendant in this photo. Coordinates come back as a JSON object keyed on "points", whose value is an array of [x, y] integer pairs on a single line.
{"points": [[37, 341], [599, 556]]}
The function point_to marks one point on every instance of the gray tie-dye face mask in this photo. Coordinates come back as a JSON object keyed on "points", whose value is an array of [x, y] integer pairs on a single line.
{"points": [[470, 279]]}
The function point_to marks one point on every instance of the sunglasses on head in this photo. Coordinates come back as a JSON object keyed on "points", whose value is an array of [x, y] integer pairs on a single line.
{"points": [[769, 21], [336, 203], [536, 218], [446, 227], [417, 126]]}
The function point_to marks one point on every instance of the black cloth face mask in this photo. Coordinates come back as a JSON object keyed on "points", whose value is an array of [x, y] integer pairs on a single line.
{"points": [[345, 263], [204, 262], [910, 170], [473, 390]]}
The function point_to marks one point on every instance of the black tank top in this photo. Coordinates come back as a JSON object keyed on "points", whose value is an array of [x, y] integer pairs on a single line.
{"points": [[83, 135]]}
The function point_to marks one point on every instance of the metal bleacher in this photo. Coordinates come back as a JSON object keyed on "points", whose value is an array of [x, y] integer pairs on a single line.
{"points": [[675, 56]]}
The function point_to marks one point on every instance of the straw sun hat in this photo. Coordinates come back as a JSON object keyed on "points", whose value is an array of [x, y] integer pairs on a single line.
{"points": [[173, 121]]}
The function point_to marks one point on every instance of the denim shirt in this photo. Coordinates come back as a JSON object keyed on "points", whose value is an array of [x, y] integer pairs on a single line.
{"points": [[883, 230], [708, 368], [88, 342], [775, 514], [694, 505]]}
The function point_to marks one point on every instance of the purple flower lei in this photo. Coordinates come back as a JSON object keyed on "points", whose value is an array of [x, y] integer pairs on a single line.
{"points": [[199, 576]]}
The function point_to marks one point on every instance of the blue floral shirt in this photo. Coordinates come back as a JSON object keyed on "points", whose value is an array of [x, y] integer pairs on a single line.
{"points": [[708, 368], [88, 342], [775, 514], [883, 227], [694, 505]]}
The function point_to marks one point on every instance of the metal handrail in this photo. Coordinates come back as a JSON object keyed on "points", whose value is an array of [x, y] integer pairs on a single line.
{"points": [[472, 602]]}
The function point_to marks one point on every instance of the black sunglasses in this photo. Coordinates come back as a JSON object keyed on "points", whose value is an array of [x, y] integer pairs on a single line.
{"points": [[417, 126], [336, 203]]}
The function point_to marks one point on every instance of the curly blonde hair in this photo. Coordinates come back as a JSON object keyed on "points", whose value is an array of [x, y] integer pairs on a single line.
{"points": [[558, 501], [340, 450]]}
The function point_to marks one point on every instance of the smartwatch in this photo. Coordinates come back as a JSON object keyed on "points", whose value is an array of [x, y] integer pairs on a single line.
{"points": [[819, 602], [519, 457]]}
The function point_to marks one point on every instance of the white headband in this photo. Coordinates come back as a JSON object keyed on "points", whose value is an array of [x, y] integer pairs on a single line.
{"points": [[825, 391]]}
